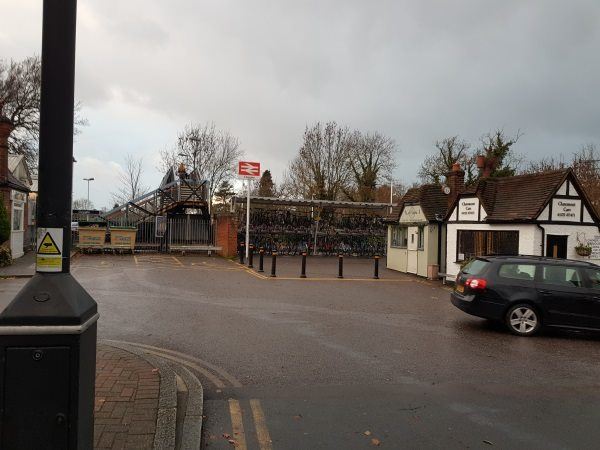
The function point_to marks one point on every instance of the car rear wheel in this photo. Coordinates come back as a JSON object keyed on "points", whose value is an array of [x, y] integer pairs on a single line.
{"points": [[523, 320]]}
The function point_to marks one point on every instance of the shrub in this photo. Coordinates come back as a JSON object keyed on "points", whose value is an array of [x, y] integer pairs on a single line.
{"points": [[5, 256], [4, 223]]}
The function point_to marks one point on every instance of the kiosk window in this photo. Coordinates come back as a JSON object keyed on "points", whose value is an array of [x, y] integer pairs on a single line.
{"points": [[399, 237]]}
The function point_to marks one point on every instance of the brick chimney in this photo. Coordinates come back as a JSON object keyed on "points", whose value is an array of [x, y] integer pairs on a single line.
{"points": [[455, 180], [5, 129], [486, 165]]}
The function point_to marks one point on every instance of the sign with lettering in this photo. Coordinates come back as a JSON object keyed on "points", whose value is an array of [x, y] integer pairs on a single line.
{"points": [[468, 209], [566, 209], [412, 214], [595, 244]]}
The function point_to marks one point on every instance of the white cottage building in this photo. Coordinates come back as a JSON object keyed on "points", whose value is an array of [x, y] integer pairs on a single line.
{"points": [[546, 214], [416, 234]]}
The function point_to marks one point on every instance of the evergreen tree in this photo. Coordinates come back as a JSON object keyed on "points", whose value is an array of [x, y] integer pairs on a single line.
{"points": [[266, 187]]}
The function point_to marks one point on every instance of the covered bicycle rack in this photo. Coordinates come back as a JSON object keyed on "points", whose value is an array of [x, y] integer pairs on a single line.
{"points": [[293, 226]]}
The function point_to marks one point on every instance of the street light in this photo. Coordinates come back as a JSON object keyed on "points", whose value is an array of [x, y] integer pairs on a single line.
{"points": [[88, 182]]}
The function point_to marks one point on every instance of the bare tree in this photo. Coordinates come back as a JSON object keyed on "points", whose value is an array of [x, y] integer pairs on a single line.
{"points": [[20, 105], [82, 203], [212, 153], [450, 150], [585, 164], [130, 181], [371, 158], [20, 92], [382, 192], [320, 170]]}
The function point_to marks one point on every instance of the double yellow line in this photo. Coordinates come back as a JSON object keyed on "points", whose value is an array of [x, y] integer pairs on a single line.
{"points": [[260, 424]]}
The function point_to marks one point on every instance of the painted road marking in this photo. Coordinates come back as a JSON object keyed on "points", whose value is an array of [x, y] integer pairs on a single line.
{"points": [[178, 261], [224, 374], [212, 378], [237, 425], [260, 424]]}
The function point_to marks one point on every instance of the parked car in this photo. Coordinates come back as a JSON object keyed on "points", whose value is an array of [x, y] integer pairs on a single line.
{"points": [[527, 293]]}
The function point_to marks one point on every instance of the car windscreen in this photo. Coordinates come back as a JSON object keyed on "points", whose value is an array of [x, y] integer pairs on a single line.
{"points": [[475, 267]]}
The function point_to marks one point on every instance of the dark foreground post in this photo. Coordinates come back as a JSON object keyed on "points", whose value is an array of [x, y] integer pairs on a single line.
{"points": [[274, 264], [303, 272], [242, 254], [340, 266], [48, 332], [376, 273], [261, 258], [251, 256]]}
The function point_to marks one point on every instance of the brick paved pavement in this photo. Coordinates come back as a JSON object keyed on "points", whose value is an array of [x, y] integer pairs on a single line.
{"points": [[127, 390]]}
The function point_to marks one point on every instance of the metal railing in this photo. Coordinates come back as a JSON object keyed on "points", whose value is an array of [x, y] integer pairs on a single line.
{"points": [[189, 232]]}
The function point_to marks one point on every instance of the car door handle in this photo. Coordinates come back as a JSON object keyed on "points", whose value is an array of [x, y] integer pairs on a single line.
{"points": [[596, 298], [544, 292]]}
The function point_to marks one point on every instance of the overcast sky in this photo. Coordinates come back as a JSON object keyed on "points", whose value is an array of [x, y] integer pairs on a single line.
{"points": [[414, 70]]}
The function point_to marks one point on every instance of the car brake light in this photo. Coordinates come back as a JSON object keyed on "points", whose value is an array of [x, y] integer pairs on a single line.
{"points": [[477, 284]]}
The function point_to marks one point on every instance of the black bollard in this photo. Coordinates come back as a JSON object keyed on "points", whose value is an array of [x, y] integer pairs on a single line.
{"points": [[261, 254], [340, 266], [251, 256], [273, 264], [376, 274], [303, 273], [242, 253]]}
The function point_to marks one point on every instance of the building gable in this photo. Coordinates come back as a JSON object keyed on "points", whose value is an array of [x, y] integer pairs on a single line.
{"points": [[412, 214], [567, 205]]}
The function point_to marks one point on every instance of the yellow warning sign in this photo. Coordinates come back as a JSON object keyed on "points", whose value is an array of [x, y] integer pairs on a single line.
{"points": [[49, 264], [48, 246]]}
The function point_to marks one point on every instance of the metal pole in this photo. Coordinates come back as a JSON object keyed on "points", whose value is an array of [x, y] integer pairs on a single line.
{"points": [[303, 272], [274, 264], [251, 257], [248, 221], [391, 194], [340, 266], [261, 260], [315, 244], [53, 314], [376, 273]]}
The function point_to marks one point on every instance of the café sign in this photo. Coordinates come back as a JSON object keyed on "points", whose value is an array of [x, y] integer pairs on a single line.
{"points": [[412, 214], [468, 209], [566, 210]]}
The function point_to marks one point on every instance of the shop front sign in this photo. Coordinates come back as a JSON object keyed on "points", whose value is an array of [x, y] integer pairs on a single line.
{"points": [[566, 210], [468, 209]]}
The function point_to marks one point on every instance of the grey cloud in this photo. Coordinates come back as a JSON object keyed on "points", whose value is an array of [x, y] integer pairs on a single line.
{"points": [[415, 70]]}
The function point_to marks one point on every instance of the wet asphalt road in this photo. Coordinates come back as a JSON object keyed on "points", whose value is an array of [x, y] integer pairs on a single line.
{"points": [[352, 364]]}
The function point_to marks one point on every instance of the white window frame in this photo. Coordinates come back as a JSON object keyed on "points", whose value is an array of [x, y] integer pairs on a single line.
{"points": [[18, 208]]}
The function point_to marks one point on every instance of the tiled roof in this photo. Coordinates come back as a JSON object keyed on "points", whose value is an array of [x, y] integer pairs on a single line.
{"points": [[518, 198], [15, 183], [429, 197]]}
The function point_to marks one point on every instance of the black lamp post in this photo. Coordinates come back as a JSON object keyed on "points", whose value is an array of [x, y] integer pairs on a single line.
{"points": [[48, 332]]}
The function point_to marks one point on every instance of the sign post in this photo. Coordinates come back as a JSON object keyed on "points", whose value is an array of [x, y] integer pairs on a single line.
{"points": [[248, 171]]}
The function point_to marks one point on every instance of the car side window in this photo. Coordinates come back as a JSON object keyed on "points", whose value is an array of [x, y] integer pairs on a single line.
{"points": [[594, 276], [517, 271], [561, 276]]}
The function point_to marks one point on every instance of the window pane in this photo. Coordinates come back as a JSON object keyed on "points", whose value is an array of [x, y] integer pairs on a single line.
{"points": [[517, 271], [473, 243], [475, 267], [561, 275], [17, 220], [594, 275]]}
